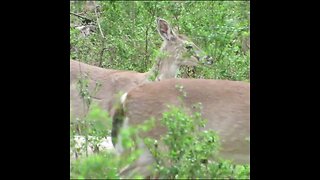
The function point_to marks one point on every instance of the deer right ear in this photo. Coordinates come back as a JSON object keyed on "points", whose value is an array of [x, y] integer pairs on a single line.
{"points": [[165, 30]]}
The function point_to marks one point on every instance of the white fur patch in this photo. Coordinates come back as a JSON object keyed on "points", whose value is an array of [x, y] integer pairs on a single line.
{"points": [[123, 98]]}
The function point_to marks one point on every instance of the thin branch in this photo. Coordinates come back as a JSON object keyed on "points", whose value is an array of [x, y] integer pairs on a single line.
{"points": [[101, 54], [102, 35], [146, 50], [87, 19], [98, 22]]}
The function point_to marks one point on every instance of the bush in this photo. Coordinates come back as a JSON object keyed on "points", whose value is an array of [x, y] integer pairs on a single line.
{"points": [[191, 153]]}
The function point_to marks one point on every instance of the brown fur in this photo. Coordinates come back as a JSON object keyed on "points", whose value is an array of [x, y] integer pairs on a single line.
{"points": [[112, 82]]}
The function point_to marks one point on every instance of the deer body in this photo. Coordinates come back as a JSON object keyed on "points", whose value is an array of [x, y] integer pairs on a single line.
{"points": [[111, 82], [226, 106]]}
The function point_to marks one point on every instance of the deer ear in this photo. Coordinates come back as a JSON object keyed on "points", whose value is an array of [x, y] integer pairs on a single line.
{"points": [[165, 30]]}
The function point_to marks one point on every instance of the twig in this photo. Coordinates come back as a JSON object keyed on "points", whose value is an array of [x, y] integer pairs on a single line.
{"points": [[146, 52], [103, 40], [101, 54], [98, 22], [87, 19]]}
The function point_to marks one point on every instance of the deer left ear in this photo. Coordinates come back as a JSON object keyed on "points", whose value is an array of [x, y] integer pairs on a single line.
{"points": [[165, 30]]}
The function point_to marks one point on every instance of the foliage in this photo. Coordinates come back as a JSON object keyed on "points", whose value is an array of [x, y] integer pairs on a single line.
{"points": [[220, 28], [104, 164], [96, 166], [191, 153]]}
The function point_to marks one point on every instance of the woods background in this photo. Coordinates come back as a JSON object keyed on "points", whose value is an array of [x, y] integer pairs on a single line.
{"points": [[123, 35]]}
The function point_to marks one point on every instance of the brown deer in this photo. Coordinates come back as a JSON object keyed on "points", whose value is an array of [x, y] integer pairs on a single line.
{"points": [[225, 104], [176, 51]]}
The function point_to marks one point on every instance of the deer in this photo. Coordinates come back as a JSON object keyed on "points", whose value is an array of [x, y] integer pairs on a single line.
{"points": [[225, 105], [176, 51]]}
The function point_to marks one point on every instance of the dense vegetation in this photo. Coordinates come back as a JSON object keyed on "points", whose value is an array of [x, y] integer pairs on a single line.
{"points": [[123, 35], [189, 151]]}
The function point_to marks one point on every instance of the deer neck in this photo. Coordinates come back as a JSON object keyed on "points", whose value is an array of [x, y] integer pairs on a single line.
{"points": [[164, 68]]}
